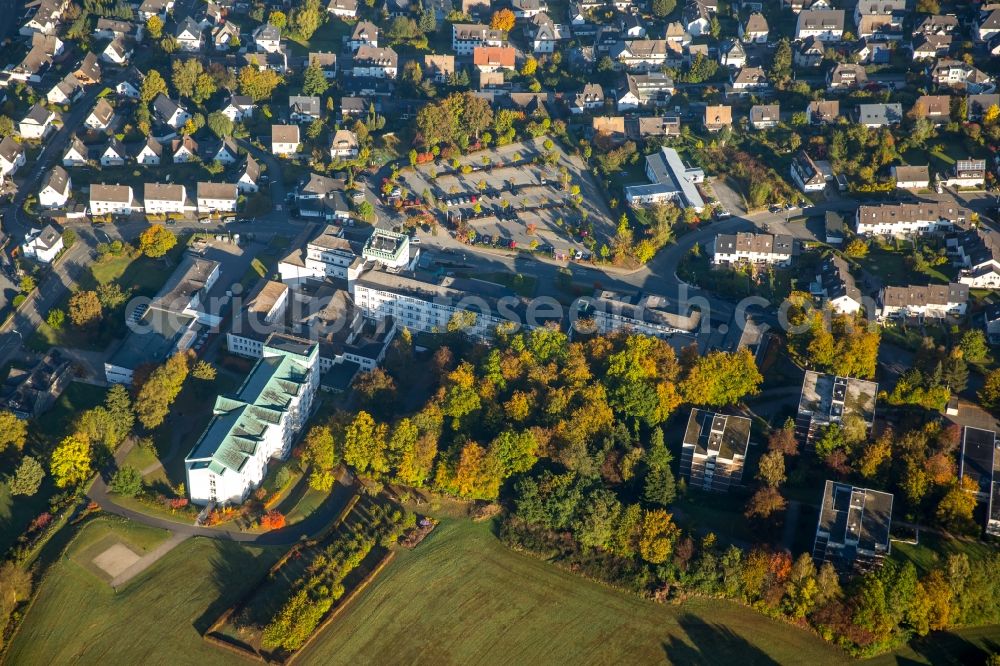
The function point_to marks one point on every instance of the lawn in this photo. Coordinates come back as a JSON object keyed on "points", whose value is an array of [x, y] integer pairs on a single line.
{"points": [[103, 533], [933, 550], [156, 619], [463, 597], [892, 269]]}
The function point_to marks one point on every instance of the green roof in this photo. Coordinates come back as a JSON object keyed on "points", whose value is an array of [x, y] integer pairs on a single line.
{"points": [[241, 420]]}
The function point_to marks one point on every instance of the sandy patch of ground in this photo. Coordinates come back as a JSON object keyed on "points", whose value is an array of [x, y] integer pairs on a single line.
{"points": [[116, 559]]}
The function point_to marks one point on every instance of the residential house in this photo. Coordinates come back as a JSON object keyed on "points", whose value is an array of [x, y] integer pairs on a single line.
{"points": [[717, 117], [608, 130], [150, 8], [226, 36], [646, 55], [89, 70], [544, 33], [933, 300], [327, 255], [188, 35], [937, 25], [977, 251], [66, 91], [169, 112], [821, 112], [150, 153], [43, 245], [184, 149], [45, 18], [714, 450], [752, 248], [365, 34], [108, 28], [439, 68], [656, 126], [880, 115], [326, 62], [808, 53], [827, 25], [904, 219], [303, 108], [696, 17], [226, 153], [936, 108], [632, 26], [348, 8], [11, 156], [930, 47], [978, 105], [76, 153], [640, 90], [344, 145], [967, 173], [765, 116], [835, 283], [275, 401], [249, 176], [853, 527], [749, 80], [101, 116], [55, 189], [670, 180], [113, 153], [284, 139], [118, 51], [526, 9], [267, 38], [978, 460], [44, 48], [911, 177], [962, 76], [111, 199], [466, 37], [591, 98], [846, 76], [989, 27], [732, 54], [755, 30], [494, 58], [806, 175], [37, 124], [833, 228], [216, 197], [163, 198], [130, 85], [240, 107], [376, 63]]}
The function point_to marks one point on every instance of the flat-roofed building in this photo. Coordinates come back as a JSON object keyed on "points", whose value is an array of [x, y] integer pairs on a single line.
{"points": [[978, 459], [651, 314], [714, 450], [828, 399], [853, 527], [328, 254], [670, 180]]}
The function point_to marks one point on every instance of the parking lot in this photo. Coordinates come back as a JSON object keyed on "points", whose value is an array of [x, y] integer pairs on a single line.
{"points": [[508, 200]]}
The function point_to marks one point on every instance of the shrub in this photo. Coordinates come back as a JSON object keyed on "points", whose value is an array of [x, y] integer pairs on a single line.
{"points": [[127, 482]]}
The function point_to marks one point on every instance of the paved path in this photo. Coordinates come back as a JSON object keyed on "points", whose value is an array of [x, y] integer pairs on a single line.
{"points": [[149, 559]]}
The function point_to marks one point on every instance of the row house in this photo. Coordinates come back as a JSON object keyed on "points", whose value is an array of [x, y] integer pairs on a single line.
{"points": [[111, 199], [465, 37], [645, 55], [835, 284], [378, 63], [641, 90], [752, 248], [977, 251], [163, 198], [904, 219], [934, 300], [216, 197], [827, 25]]}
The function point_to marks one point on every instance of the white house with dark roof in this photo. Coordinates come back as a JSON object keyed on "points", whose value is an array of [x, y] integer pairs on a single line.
{"points": [[249, 176], [67, 90], [43, 245], [303, 108], [465, 37], [118, 51], [113, 153], [183, 150], [227, 153], [163, 198], [240, 107], [225, 36], [76, 153], [348, 8], [102, 115], [806, 174], [111, 199], [11, 156], [55, 189], [365, 33], [188, 35], [169, 112], [344, 145], [284, 139], [752, 248], [755, 29], [932, 300], [827, 25], [150, 153], [907, 219], [216, 197], [377, 63], [267, 38], [37, 123]]}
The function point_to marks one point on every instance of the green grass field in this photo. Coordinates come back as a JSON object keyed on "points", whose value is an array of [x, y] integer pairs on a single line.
{"points": [[463, 597], [104, 533], [156, 619]]}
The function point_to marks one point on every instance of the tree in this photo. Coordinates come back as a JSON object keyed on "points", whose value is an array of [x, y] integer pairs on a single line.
{"points": [[320, 457], [771, 468], [84, 308], [258, 83], [305, 19], [857, 248], [154, 27], [278, 19], [990, 393], [783, 439], [781, 67], [55, 319], [598, 522], [765, 502], [127, 482], [956, 507], [185, 76], [662, 8], [15, 588], [314, 80], [111, 295], [365, 444], [721, 378], [929, 6], [7, 127], [973, 345], [71, 461], [152, 86], [156, 241], [220, 124], [152, 403], [503, 20], [204, 371], [529, 67], [27, 478], [13, 431], [656, 540]]}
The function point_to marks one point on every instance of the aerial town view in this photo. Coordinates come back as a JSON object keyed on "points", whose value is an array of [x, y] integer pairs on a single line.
{"points": [[499, 332]]}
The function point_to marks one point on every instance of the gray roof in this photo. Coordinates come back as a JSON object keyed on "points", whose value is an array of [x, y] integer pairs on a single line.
{"points": [[115, 193], [852, 514], [719, 434], [216, 190], [57, 179], [163, 192], [304, 105]]}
